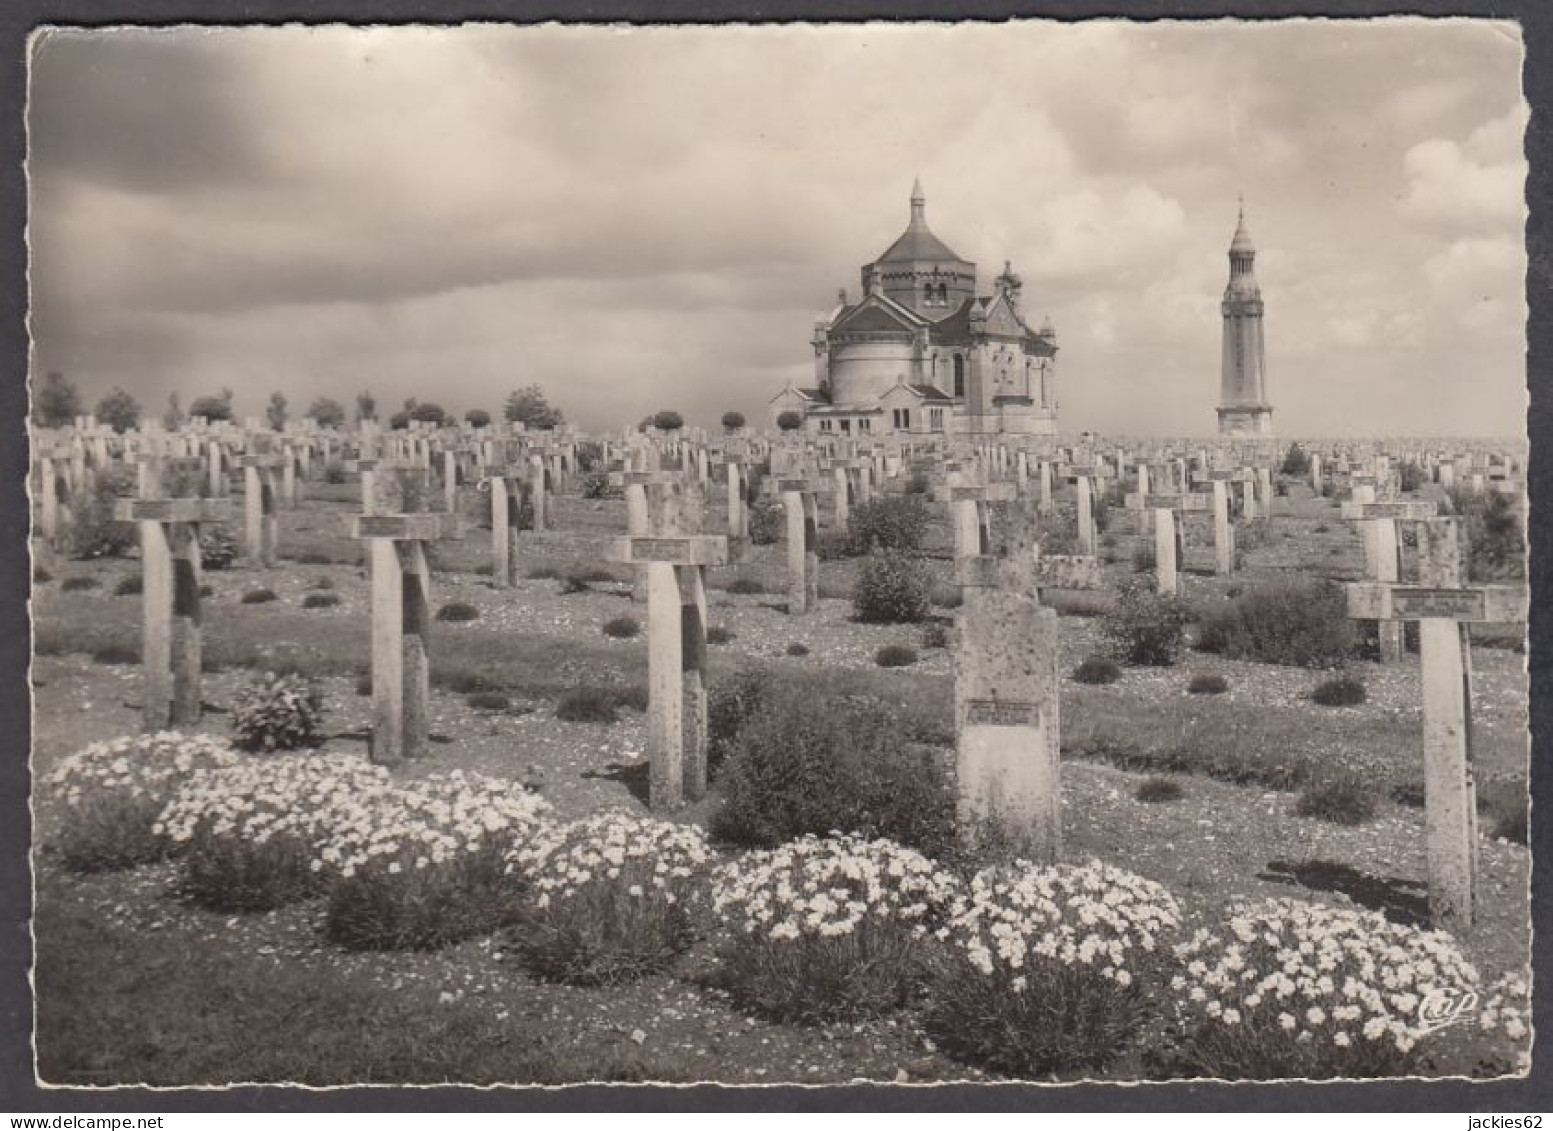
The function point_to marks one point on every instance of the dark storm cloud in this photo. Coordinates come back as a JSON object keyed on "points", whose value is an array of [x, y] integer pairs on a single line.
{"points": [[657, 217]]}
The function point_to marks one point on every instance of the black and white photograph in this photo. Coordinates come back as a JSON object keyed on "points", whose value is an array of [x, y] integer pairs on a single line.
{"points": [[907, 553]]}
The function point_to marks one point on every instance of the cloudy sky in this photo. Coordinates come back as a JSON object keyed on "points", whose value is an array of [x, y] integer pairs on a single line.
{"points": [[640, 219]]}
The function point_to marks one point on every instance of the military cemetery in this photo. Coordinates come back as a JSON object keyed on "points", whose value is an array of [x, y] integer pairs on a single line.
{"points": [[891, 720]]}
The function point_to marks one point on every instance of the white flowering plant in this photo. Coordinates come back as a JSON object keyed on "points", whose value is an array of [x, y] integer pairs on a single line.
{"points": [[251, 834], [107, 797], [822, 929], [610, 897], [1504, 1018], [423, 863], [1049, 969], [1291, 989]]}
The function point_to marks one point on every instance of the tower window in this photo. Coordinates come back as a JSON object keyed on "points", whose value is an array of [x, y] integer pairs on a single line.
{"points": [[959, 375]]}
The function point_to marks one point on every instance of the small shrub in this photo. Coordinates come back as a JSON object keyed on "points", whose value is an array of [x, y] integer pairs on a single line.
{"points": [[945, 596], [277, 712], [718, 635], [895, 656], [1145, 628], [78, 584], [797, 649], [892, 588], [591, 704], [1344, 691], [745, 586], [320, 600], [457, 612], [935, 636], [1511, 827], [116, 655], [1076, 602], [41, 576], [1492, 536], [251, 834], [889, 523], [1207, 685], [1097, 670], [768, 522], [259, 597], [610, 898], [424, 863], [334, 475], [1303, 624], [622, 627], [1157, 789], [111, 795], [833, 545], [321, 582], [218, 547], [488, 701], [1340, 798], [1353, 1013], [794, 766], [1410, 476], [582, 579], [824, 930], [918, 483], [1048, 969], [1143, 559], [364, 684], [597, 486], [1408, 792]]}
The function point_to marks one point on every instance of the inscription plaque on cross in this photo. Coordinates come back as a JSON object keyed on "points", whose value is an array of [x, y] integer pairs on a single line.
{"points": [[1444, 607], [1383, 555]]}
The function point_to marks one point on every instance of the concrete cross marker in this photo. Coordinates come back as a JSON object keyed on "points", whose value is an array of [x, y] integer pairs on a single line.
{"points": [[803, 562], [1443, 607], [676, 658], [508, 493], [170, 600], [260, 524], [401, 618], [1383, 555], [1006, 708]]}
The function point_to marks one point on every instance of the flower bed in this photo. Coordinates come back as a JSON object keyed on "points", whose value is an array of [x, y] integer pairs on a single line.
{"points": [[1295, 989], [111, 794], [611, 897], [1048, 969], [424, 863], [820, 929], [252, 833]]}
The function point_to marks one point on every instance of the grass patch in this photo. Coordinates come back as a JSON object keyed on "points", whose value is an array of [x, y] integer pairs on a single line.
{"points": [[78, 584], [1340, 799], [1097, 670], [1344, 691], [1207, 684], [895, 656], [591, 704], [121, 1006], [488, 701], [41, 576], [132, 586], [258, 597], [718, 635], [457, 612], [622, 628], [1077, 602], [116, 655], [320, 600], [1156, 789], [746, 586]]}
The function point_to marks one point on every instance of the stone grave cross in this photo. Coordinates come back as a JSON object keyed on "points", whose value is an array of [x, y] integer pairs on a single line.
{"points": [[1444, 606]]}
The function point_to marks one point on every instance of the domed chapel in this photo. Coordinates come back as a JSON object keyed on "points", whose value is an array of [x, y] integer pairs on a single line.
{"points": [[920, 352]]}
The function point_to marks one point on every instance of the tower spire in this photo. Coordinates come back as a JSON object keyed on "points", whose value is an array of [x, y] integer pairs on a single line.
{"points": [[918, 203]]}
